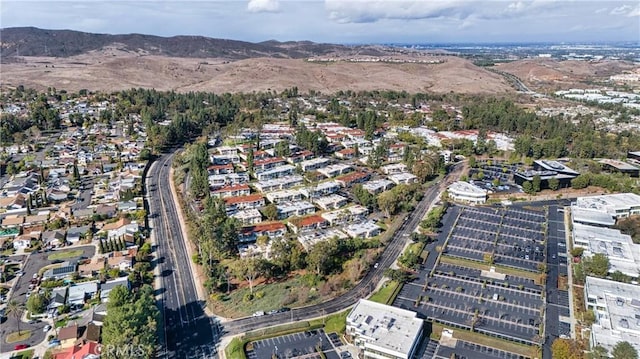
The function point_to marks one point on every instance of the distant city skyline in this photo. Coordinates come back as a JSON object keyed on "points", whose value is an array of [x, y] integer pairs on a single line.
{"points": [[339, 21]]}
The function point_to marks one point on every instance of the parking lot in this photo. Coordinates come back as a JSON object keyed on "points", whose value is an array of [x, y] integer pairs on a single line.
{"points": [[467, 350], [296, 345], [460, 296], [514, 237]]}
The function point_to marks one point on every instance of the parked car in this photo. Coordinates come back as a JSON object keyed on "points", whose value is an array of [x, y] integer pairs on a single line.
{"points": [[46, 328], [258, 313], [53, 343], [21, 346]]}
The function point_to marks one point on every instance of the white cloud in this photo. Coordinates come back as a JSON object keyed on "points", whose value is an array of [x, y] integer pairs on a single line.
{"points": [[360, 11], [621, 10], [263, 5], [634, 12]]}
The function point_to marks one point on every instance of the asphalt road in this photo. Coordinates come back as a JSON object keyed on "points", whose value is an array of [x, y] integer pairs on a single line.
{"points": [[187, 331], [34, 262], [365, 286], [84, 196]]}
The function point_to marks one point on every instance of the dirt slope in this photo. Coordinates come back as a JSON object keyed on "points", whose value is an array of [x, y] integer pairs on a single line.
{"points": [[112, 69]]}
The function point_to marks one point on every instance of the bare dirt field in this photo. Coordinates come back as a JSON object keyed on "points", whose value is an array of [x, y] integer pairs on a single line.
{"points": [[111, 69], [557, 75]]}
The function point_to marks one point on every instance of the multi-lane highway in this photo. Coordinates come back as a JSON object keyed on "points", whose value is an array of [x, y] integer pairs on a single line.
{"points": [[187, 332]]}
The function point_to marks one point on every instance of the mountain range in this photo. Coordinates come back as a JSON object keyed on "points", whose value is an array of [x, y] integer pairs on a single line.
{"points": [[31, 41]]}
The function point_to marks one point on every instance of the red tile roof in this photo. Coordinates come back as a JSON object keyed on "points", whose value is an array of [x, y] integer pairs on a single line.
{"points": [[308, 221], [232, 188], [263, 227], [243, 199]]}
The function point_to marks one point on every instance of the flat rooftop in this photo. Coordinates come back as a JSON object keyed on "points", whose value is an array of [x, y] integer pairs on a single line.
{"points": [[385, 326], [623, 254], [555, 166], [586, 215], [466, 187], [620, 165], [620, 319], [610, 203]]}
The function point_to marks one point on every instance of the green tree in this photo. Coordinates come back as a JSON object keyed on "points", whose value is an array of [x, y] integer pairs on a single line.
{"points": [[576, 251], [599, 352], [597, 265], [248, 269], [624, 350], [14, 310], [37, 303], [580, 182], [527, 187], [553, 183], [620, 277], [565, 349], [270, 211], [535, 184], [132, 321]]}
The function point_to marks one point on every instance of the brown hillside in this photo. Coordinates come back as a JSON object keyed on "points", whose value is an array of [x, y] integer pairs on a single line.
{"points": [[548, 73], [111, 69]]}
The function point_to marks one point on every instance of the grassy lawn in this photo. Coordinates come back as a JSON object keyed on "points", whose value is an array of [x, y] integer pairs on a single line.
{"points": [[521, 349], [292, 293], [7, 252], [62, 255], [334, 323], [387, 293], [25, 354], [18, 337]]}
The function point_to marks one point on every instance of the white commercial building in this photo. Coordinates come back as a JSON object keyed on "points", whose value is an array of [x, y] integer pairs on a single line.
{"points": [[617, 205], [467, 192], [623, 254], [617, 311], [382, 331]]}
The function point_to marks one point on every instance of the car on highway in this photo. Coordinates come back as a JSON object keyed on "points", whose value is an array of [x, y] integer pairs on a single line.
{"points": [[20, 346], [258, 313], [375, 266]]}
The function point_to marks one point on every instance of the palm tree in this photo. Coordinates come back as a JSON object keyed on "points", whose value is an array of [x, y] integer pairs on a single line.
{"points": [[15, 310]]}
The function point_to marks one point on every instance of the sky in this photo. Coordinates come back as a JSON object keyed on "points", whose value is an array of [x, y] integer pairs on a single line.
{"points": [[341, 21]]}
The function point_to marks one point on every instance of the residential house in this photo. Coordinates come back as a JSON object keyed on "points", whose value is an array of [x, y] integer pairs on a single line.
{"points": [[74, 234], [58, 298], [346, 215], [66, 270], [403, 178], [270, 229], [276, 172], [365, 229], [346, 153], [309, 223], [284, 196], [314, 164], [21, 243], [122, 262], [124, 227], [81, 292], [91, 268], [68, 336], [252, 201], [352, 178], [377, 186], [220, 169], [248, 217], [394, 168], [300, 208], [83, 213], [12, 221], [322, 189], [127, 206], [335, 170], [108, 211], [53, 238], [232, 191], [106, 288], [278, 183], [333, 201]]}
